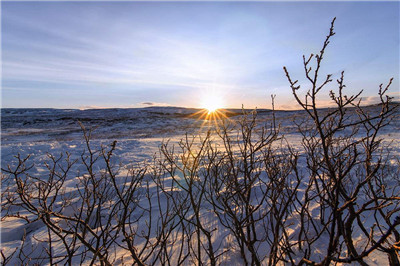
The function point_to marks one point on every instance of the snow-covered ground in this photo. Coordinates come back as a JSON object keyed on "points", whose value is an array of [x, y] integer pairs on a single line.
{"points": [[139, 134]]}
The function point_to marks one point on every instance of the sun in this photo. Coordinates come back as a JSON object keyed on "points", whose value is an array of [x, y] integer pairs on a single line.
{"points": [[212, 102], [212, 112]]}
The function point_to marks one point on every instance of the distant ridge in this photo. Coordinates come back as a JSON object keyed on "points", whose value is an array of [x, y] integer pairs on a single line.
{"points": [[234, 110]]}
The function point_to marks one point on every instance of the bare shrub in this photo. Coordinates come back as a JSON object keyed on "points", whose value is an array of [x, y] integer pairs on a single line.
{"points": [[347, 166], [104, 211]]}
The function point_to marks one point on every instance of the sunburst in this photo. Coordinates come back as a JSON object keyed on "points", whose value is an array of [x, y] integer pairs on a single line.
{"points": [[212, 103], [212, 112]]}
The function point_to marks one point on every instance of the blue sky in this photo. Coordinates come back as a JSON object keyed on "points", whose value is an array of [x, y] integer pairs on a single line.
{"points": [[127, 54]]}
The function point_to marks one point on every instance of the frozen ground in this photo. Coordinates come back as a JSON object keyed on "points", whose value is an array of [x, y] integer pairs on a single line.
{"points": [[139, 134]]}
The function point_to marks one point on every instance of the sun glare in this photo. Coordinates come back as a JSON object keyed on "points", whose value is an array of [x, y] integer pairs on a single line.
{"points": [[212, 112], [212, 103]]}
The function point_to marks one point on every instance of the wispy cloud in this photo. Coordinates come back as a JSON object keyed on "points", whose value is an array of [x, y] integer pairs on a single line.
{"points": [[147, 104]]}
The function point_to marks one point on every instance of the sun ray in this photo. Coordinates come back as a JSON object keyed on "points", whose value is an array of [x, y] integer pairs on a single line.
{"points": [[213, 114], [212, 119]]}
